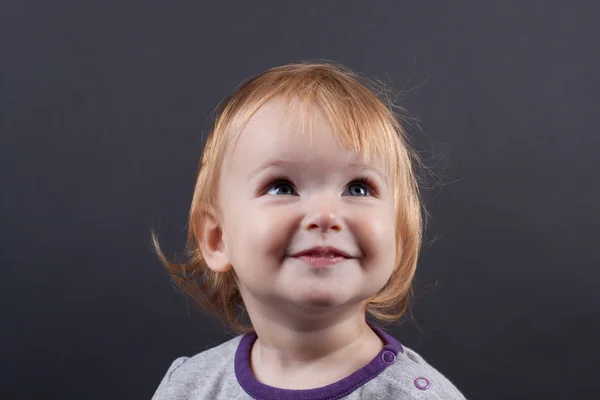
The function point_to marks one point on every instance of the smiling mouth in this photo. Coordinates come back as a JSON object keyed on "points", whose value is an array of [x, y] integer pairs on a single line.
{"points": [[321, 261]]}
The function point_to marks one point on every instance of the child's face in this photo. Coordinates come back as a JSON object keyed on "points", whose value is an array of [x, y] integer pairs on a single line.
{"points": [[320, 203]]}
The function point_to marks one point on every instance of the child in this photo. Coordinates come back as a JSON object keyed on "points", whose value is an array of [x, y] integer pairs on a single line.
{"points": [[306, 213]]}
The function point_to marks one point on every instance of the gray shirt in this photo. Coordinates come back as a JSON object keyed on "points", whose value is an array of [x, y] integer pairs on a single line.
{"points": [[223, 372]]}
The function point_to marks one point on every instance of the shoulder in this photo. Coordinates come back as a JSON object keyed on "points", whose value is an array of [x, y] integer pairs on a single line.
{"points": [[214, 357], [416, 378], [191, 375]]}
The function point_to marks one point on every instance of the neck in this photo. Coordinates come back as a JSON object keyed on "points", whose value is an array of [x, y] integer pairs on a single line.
{"points": [[315, 353], [309, 345]]}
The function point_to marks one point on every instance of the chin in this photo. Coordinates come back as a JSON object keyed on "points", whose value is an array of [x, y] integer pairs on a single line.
{"points": [[320, 303], [322, 300]]}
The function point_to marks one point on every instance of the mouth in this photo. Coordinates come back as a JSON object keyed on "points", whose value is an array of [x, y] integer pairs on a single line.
{"points": [[320, 257]]}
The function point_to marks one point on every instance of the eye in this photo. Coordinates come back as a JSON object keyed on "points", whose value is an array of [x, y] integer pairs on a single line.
{"points": [[360, 188], [280, 187], [283, 187]]}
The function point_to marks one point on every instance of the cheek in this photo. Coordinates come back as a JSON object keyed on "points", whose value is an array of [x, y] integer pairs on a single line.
{"points": [[263, 232], [378, 237]]}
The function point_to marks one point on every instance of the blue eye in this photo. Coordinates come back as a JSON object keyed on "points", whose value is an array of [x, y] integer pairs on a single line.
{"points": [[356, 188], [360, 188], [280, 188]]}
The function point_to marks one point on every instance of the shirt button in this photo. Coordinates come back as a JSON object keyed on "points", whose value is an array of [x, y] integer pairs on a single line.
{"points": [[388, 357], [422, 383]]}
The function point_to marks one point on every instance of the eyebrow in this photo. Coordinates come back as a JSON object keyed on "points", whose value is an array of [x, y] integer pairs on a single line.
{"points": [[286, 163], [270, 164], [369, 168]]}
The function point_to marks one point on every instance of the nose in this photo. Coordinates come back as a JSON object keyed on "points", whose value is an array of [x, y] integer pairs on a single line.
{"points": [[324, 218]]}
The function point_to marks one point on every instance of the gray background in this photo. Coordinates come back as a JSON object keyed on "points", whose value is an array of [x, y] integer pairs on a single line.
{"points": [[103, 106]]}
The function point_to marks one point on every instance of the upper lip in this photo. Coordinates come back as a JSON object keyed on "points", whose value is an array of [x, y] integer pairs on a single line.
{"points": [[323, 252]]}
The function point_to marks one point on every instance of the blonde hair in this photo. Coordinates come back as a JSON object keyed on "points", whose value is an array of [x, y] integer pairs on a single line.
{"points": [[364, 120]]}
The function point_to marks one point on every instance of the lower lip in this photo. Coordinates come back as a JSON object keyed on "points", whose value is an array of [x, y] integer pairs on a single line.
{"points": [[321, 262]]}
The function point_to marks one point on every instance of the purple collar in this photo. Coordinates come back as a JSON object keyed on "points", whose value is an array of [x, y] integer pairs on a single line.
{"points": [[258, 390]]}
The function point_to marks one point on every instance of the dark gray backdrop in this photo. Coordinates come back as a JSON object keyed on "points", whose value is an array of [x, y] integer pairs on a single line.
{"points": [[103, 105]]}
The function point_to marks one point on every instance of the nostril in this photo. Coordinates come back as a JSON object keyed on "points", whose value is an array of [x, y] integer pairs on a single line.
{"points": [[335, 228]]}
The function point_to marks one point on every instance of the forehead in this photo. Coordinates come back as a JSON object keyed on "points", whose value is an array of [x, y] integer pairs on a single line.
{"points": [[295, 132]]}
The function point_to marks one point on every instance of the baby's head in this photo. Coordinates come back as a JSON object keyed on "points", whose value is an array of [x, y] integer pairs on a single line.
{"points": [[306, 204]]}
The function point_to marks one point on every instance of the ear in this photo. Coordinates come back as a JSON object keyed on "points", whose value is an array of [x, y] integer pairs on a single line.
{"points": [[212, 244]]}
